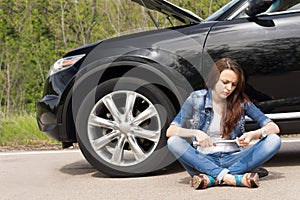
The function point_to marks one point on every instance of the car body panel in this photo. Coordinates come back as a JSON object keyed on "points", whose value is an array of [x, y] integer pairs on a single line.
{"points": [[158, 48], [270, 58]]}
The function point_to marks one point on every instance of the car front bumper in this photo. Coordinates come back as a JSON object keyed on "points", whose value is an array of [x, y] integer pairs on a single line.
{"points": [[50, 109], [47, 116]]}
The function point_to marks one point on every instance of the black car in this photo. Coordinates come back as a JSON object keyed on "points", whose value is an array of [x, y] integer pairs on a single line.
{"points": [[116, 97]]}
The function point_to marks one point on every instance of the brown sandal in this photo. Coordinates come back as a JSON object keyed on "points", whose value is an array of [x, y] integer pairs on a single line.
{"points": [[251, 178], [202, 181]]}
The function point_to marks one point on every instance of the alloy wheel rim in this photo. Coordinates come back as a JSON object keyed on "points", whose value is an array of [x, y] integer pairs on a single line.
{"points": [[124, 128]]}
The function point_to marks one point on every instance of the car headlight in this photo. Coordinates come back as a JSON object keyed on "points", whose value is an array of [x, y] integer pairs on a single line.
{"points": [[64, 63]]}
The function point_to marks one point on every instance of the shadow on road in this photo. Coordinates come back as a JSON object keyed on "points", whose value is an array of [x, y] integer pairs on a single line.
{"points": [[83, 167], [287, 156], [78, 168]]}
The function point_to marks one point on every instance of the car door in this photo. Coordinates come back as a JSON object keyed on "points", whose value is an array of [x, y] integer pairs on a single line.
{"points": [[268, 48]]}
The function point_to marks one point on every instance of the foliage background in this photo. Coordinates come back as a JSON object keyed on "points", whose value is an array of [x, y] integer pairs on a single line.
{"points": [[36, 33]]}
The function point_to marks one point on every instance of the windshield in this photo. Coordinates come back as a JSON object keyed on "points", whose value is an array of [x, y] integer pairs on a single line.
{"points": [[219, 12]]}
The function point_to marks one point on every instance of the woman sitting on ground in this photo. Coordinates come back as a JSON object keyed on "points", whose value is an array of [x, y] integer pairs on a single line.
{"points": [[214, 119]]}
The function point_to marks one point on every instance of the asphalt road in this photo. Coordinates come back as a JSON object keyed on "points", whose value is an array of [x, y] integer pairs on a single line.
{"points": [[66, 175]]}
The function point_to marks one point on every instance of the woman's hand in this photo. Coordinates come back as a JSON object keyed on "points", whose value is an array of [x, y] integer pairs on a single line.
{"points": [[203, 139], [246, 138]]}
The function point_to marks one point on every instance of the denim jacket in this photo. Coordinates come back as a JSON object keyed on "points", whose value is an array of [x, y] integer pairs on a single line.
{"points": [[197, 113]]}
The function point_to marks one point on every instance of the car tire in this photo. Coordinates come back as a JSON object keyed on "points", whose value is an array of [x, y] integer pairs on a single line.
{"points": [[121, 127]]}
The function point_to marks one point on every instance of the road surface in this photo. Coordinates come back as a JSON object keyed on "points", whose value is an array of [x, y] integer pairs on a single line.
{"points": [[67, 175]]}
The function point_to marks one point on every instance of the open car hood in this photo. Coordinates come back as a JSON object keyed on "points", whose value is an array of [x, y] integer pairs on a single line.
{"points": [[170, 9]]}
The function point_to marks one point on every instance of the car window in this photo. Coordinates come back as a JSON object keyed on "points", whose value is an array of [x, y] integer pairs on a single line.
{"points": [[283, 5], [219, 12], [240, 13], [277, 6], [295, 7]]}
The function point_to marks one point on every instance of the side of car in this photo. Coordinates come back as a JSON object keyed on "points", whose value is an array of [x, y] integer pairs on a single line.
{"points": [[119, 96], [270, 58]]}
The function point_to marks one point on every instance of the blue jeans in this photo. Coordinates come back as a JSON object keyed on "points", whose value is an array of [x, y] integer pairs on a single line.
{"points": [[219, 164]]}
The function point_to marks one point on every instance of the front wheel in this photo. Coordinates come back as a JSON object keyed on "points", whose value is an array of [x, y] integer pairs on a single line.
{"points": [[121, 127]]}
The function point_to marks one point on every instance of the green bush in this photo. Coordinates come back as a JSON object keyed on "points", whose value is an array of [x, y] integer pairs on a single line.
{"points": [[22, 130]]}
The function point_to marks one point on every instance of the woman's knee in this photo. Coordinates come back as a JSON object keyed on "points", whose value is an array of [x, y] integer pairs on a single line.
{"points": [[173, 141], [274, 141], [177, 145]]}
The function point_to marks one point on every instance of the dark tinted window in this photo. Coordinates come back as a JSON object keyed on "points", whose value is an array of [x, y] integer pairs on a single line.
{"points": [[277, 6], [284, 5]]}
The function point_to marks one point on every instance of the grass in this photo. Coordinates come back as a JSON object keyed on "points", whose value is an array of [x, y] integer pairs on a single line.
{"points": [[22, 130]]}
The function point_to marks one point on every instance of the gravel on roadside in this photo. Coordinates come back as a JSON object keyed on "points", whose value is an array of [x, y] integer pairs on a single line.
{"points": [[36, 147]]}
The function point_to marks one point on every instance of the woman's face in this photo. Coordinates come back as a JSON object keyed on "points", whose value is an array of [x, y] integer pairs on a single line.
{"points": [[226, 84]]}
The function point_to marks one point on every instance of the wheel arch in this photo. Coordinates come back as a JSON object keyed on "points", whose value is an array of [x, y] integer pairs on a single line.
{"points": [[166, 74]]}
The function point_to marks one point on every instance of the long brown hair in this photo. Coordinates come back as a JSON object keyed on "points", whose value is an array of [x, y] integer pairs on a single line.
{"points": [[233, 111]]}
